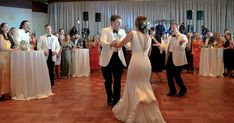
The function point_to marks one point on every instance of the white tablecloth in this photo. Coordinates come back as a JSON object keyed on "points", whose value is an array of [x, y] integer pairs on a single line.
{"points": [[29, 75], [80, 63], [211, 62]]}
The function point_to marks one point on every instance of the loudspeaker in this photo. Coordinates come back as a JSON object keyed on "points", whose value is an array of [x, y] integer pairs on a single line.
{"points": [[97, 17], [85, 16], [200, 15], [189, 14]]}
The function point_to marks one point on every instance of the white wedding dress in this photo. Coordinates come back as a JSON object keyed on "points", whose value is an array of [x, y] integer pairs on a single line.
{"points": [[138, 103]]}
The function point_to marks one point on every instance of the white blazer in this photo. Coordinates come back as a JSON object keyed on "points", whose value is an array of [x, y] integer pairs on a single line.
{"points": [[106, 38], [178, 51], [43, 44]]}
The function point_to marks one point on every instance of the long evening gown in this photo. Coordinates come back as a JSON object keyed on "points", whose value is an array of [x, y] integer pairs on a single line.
{"points": [[138, 103]]}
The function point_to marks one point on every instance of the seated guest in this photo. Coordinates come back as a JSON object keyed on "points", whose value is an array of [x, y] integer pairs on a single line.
{"points": [[66, 55], [94, 53], [219, 43], [228, 54], [49, 43], [196, 49]]}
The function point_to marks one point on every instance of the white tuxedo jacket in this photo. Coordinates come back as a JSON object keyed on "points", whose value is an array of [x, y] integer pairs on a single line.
{"points": [[178, 51], [43, 44], [106, 38]]}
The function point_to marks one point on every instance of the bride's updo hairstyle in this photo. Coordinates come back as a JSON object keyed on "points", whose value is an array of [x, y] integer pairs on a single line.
{"points": [[141, 24]]}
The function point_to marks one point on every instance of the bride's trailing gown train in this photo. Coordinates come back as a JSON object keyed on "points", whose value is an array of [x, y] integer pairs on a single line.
{"points": [[138, 103]]}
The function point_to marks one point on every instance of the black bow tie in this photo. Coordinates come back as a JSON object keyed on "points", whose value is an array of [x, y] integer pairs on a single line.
{"points": [[48, 35], [173, 35], [115, 31]]}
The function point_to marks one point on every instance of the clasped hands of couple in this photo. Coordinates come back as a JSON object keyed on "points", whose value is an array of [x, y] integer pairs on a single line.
{"points": [[114, 43]]}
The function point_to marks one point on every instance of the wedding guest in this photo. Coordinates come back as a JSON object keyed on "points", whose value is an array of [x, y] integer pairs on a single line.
{"points": [[209, 40], [157, 55], [228, 54], [189, 55], [33, 41], [94, 53], [66, 55], [5, 45], [182, 28], [77, 41], [219, 42], [49, 43], [23, 32], [12, 35], [196, 49], [58, 60]]}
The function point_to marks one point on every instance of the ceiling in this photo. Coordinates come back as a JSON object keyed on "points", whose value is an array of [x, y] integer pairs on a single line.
{"points": [[46, 1]]}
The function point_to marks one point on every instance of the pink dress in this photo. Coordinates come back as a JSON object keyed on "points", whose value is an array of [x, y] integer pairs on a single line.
{"points": [[196, 52], [94, 58]]}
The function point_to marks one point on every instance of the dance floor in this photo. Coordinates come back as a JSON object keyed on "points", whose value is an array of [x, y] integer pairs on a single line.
{"points": [[83, 100]]}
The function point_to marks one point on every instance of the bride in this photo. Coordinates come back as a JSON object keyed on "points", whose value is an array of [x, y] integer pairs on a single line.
{"points": [[138, 103]]}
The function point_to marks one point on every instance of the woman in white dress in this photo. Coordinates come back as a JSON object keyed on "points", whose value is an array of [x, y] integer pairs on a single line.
{"points": [[138, 103]]}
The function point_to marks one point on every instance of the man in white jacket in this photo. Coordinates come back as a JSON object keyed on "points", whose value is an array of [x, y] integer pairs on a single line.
{"points": [[49, 43], [175, 59], [112, 59]]}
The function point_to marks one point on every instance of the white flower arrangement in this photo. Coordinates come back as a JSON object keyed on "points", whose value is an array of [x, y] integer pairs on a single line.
{"points": [[23, 45]]}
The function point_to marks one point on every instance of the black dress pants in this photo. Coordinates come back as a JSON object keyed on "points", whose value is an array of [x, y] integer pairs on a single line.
{"points": [[115, 69]]}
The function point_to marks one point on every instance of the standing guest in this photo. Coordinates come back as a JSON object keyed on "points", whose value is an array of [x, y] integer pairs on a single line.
{"points": [[94, 53], [204, 30], [189, 55], [196, 49], [12, 35], [23, 32], [49, 43], [182, 28], [5, 45], [218, 42], [77, 41], [228, 54], [33, 41], [66, 55], [157, 55], [58, 60], [175, 59], [61, 35], [160, 29], [209, 40], [112, 59]]}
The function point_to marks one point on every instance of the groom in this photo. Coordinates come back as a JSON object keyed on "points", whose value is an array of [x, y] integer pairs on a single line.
{"points": [[112, 59]]}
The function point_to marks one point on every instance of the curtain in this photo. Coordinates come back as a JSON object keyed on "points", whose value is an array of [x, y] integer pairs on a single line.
{"points": [[218, 14]]}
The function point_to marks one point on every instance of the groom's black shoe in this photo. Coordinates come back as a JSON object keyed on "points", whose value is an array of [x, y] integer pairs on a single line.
{"points": [[109, 102], [171, 93], [182, 93]]}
